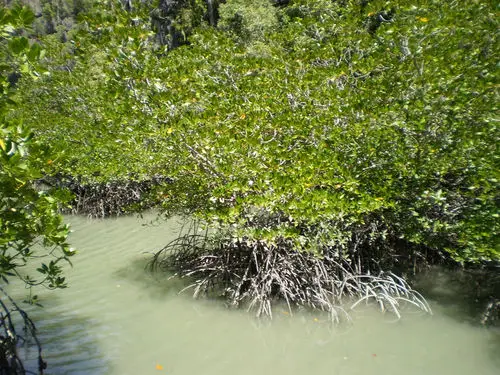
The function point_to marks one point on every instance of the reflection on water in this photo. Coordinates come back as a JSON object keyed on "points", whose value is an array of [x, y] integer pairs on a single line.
{"points": [[117, 319]]}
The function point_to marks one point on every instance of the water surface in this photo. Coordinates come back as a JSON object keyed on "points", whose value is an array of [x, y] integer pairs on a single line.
{"points": [[115, 318]]}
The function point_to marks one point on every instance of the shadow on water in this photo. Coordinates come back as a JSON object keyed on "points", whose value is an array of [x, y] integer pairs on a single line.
{"points": [[462, 294], [157, 285], [70, 341]]}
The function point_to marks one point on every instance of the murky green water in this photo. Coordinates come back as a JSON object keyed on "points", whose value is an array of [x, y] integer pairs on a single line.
{"points": [[117, 319]]}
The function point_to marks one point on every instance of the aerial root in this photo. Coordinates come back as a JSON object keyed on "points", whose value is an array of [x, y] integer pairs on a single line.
{"points": [[253, 274]]}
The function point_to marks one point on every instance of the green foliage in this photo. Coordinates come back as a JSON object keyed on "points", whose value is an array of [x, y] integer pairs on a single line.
{"points": [[248, 20], [348, 123], [31, 230]]}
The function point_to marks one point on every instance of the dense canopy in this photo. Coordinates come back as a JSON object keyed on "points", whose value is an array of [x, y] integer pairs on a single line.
{"points": [[355, 135], [333, 118]]}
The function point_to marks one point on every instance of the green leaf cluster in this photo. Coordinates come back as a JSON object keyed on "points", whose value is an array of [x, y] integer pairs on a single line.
{"points": [[31, 230], [331, 122]]}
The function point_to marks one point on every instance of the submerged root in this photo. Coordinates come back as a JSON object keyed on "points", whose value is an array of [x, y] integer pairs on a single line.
{"points": [[253, 274]]}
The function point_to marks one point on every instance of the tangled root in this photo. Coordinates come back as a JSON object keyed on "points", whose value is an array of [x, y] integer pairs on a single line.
{"points": [[99, 200], [254, 274]]}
